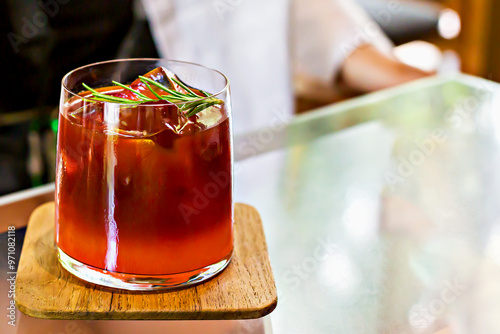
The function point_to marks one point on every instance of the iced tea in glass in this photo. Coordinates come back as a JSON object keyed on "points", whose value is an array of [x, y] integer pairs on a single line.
{"points": [[144, 188]]}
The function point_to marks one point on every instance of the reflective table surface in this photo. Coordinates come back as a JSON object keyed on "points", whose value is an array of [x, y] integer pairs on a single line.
{"points": [[380, 213]]}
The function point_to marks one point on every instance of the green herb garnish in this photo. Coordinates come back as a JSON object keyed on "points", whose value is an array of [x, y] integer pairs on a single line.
{"points": [[190, 102]]}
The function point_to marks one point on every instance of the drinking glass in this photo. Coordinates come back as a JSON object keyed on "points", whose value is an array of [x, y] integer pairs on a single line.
{"points": [[143, 193]]}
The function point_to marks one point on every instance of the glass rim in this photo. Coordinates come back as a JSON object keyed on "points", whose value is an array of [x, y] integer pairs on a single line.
{"points": [[202, 98]]}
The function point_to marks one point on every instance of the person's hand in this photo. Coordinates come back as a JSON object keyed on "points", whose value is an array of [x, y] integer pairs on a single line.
{"points": [[367, 69]]}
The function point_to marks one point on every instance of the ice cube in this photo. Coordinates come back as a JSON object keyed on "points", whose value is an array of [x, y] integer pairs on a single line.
{"points": [[162, 76], [165, 77]]}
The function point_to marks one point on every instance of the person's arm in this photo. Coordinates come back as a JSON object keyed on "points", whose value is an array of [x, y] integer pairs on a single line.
{"points": [[335, 44], [367, 69]]}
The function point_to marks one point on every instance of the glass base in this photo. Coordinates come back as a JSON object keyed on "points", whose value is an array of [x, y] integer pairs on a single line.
{"points": [[139, 282]]}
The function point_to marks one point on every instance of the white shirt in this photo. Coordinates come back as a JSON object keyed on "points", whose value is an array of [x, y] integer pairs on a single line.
{"points": [[261, 44]]}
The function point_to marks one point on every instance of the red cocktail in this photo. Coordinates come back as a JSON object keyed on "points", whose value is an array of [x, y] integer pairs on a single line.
{"points": [[144, 189]]}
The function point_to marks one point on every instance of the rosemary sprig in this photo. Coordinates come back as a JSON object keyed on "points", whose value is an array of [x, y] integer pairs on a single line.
{"points": [[157, 84], [152, 91], [186, 88], [132, 90], [191, 103], [202, 106], [107, 98], [179, 95]]}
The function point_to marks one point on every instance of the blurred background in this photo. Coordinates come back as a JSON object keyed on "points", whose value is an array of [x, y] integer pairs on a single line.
{"points": [[39, 47]]}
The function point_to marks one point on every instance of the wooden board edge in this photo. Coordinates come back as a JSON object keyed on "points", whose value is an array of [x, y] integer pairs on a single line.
{"points": [[55, 315], [22, 258]]}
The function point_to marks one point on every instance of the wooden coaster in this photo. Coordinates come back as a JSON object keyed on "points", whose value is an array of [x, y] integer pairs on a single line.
{"points": [[244, 290]]}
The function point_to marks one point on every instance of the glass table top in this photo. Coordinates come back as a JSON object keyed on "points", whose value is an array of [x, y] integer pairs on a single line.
{"points": [[380, 214]]}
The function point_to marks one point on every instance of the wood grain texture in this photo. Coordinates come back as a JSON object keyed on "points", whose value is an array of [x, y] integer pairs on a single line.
{"points": [[244, 290]]}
